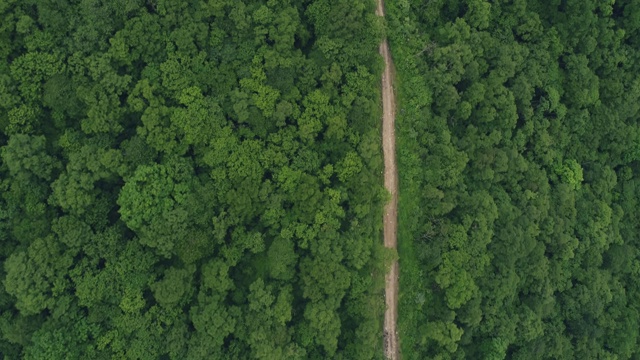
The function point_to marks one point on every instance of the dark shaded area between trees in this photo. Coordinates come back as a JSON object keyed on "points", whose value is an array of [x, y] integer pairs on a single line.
{"points": [[190, 179], [519, 157]]}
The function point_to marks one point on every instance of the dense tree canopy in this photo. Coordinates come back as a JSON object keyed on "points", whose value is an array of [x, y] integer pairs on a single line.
{"points": [[195, 179], [190, 179], [519, 178]]}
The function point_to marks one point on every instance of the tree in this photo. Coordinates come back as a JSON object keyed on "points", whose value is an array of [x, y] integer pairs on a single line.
{"points": [[26, 155], [153, 203], [571, 173], [35, 276]]}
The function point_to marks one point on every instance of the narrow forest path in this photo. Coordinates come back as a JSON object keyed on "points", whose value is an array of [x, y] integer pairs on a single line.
{"points": [[391, 347]]}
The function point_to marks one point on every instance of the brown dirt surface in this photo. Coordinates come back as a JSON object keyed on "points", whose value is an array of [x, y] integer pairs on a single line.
{"points": [[391, 346]]}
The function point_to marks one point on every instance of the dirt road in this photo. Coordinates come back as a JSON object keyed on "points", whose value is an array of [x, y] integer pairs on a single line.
{"points": [[391, 347]]}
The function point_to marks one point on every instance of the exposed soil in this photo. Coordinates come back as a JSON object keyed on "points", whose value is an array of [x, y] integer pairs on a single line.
{"points": [[391, 347]]}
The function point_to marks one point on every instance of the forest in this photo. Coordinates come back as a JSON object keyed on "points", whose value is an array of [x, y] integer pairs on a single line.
{"points": [[519, 162], [202, 179], [190, 179]]}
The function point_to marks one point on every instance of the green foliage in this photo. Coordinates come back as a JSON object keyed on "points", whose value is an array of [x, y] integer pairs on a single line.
{"points": [[518, 162], [570, 173], [189, 180], [154, 202], [26, 155], [36, 276]]}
